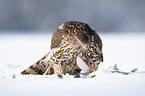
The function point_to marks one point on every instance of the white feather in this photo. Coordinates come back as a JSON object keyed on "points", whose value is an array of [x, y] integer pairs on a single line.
{"points": [[82, 65]]}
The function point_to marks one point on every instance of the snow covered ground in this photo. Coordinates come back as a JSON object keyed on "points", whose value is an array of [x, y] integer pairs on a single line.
{"points": [[19, 51]]}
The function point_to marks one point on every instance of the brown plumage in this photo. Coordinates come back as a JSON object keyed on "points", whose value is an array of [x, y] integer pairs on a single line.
{"points": [[71, 40]]}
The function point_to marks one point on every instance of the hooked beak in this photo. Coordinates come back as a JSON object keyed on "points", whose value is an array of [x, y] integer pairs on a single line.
{"points": [[80, 47], [85, 46]]}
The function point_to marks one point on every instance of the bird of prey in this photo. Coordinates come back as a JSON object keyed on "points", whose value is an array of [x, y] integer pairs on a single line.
{"points": [[71, 40]]}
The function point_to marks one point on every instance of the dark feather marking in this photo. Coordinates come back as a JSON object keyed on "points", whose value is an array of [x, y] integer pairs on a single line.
{"points": [[43, 57], [27, 73], [44, 65], [31, 67], [23, 72], [40, 72], [37, 62]]}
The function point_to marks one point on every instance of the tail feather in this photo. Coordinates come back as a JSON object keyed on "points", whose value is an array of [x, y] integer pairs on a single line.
{"points": [[40, 67]]}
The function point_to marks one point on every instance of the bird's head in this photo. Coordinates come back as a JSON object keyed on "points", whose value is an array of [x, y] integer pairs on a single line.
{"points": [[77, 34]]}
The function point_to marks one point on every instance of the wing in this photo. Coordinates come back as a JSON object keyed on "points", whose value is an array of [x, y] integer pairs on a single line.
{"points": [[40, 67], [93, 55]]}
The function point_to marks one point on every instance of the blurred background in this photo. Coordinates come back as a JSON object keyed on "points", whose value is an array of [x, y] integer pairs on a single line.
{"points": [[26, 28], [44, 15]]}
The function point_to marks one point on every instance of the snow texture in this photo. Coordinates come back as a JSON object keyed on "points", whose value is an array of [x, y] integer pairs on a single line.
{"points": [[19, 51]]}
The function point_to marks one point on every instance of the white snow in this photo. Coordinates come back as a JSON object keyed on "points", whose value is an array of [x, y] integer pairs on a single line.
{"points": [[19, 51]]}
